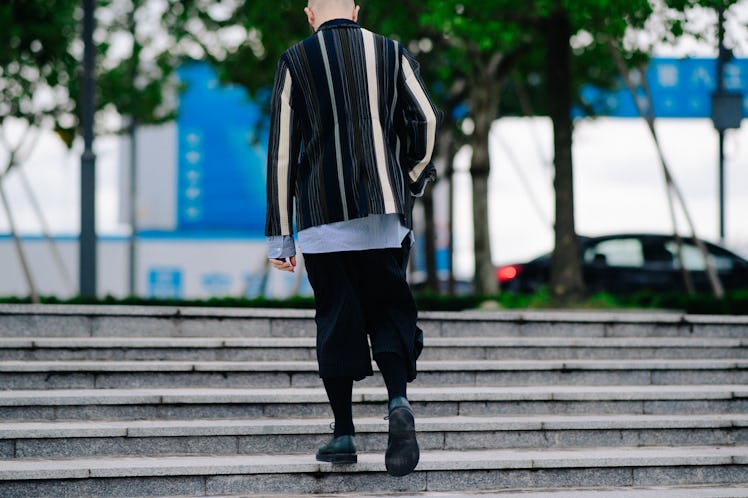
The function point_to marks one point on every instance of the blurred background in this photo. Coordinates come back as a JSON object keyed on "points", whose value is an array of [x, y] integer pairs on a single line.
{"points": [[584, 118]]}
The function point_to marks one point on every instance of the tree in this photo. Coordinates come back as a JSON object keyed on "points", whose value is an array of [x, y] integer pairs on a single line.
{"points": [[35, 75], [602, 23], [604, 19], [137, 80], [489, 40], [480, 42], [138, 59], [36, 71], [39, 75]]}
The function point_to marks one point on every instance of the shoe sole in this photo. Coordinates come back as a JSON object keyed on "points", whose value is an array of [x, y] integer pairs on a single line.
{"points": [[402, 453], [338, 458]]}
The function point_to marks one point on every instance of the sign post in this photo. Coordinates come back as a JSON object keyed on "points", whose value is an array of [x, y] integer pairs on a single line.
{"points": [[727, 112]]}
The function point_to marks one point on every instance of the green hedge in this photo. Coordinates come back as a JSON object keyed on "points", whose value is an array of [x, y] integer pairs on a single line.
{"points": [[735, 303]]}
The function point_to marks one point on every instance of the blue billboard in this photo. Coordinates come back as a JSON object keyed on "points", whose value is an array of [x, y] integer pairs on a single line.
{"points": [[680, 88], [221, 159]]}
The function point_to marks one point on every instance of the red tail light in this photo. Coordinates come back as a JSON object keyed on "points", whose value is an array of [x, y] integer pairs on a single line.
{"points": [[507, 273]]}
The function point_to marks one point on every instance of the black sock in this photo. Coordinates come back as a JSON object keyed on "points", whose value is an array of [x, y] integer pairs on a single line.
{"points": [[339, 392], [395, 374]]}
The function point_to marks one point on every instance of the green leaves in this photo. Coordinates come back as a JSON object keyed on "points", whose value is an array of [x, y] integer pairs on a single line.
{"points": [[138, 58], [244, 39], [35, 61], [39, 74]]}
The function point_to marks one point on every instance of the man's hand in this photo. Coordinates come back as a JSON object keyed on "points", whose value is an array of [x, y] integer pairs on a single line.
{"points": [[282, 264]]}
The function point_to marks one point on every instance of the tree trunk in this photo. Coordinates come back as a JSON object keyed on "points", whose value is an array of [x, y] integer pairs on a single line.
{"points": [[448, 146], [432, 281], [483, 107], [566, 283]]}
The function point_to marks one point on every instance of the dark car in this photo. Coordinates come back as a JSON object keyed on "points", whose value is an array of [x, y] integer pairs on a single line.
{"points": [[626, 263]]}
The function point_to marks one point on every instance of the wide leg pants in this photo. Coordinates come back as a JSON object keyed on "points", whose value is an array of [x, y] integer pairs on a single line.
{"points": [[360, 295]]}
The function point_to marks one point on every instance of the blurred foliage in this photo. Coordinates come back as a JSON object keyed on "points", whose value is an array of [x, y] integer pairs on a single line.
{"points": [[140, 43], [504, 55], [138, 52], [136, 70], [35, 58]]}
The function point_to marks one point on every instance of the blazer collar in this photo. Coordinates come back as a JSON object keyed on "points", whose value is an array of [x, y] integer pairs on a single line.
{"points": [[338, 23]]}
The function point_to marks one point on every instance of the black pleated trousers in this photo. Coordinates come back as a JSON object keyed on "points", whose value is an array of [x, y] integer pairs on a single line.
{"points": [[361, 296]]}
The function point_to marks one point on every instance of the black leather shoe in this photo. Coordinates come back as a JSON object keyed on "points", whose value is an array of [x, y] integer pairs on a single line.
{"points": [[341, 449], [402, 447]]}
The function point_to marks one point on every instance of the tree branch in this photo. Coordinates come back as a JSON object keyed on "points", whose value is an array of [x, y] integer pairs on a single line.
{"points": [[648, 115]]}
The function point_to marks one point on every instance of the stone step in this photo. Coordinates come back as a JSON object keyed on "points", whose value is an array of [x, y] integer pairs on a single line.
{"points": [[280, 374], [438, 471], [725, 491], [141, 401], [251, 436], [133, 321], [207, 403], [303, 348]]}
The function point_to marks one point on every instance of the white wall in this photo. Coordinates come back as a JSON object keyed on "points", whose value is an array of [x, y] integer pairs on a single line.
{"points": [[205, 268]]}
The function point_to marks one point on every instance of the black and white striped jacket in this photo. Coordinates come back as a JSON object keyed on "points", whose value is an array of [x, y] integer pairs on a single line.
{"points": [[352, 130]]}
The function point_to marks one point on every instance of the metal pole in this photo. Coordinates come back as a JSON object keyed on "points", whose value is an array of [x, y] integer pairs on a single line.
{"points": [[132, 247], [87, 247], [721, 132], [722, 186]]}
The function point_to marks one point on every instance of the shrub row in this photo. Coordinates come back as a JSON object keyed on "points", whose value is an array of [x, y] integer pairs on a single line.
{"points": [[735, 303]]}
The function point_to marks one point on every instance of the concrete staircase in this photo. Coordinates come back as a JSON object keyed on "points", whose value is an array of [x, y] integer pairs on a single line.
{"points": [[120, 401]]}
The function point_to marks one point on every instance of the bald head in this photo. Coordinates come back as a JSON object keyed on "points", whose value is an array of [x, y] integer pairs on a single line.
{"points": [[322, 5], [320, 11]]}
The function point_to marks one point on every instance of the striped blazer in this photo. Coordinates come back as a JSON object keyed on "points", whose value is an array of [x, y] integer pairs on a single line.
{"points": [[352, 130]]}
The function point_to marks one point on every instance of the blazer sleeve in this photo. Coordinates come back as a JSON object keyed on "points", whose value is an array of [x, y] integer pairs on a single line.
{"points": [[419, 120], [283, 153]]}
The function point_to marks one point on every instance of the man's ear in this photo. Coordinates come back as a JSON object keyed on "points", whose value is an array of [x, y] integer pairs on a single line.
{"points": [[354, 16], [310, 16]]}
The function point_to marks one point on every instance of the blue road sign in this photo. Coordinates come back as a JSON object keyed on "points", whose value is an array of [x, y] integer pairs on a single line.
{"points": [[165, 283], [681, 88]]}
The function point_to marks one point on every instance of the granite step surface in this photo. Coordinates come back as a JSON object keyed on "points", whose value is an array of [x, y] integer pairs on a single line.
{"points": [[249, 436], [725, 491], [134, 321], [303, 348], [207, 403], [76, 374], [164, 401], [438, 471]]}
